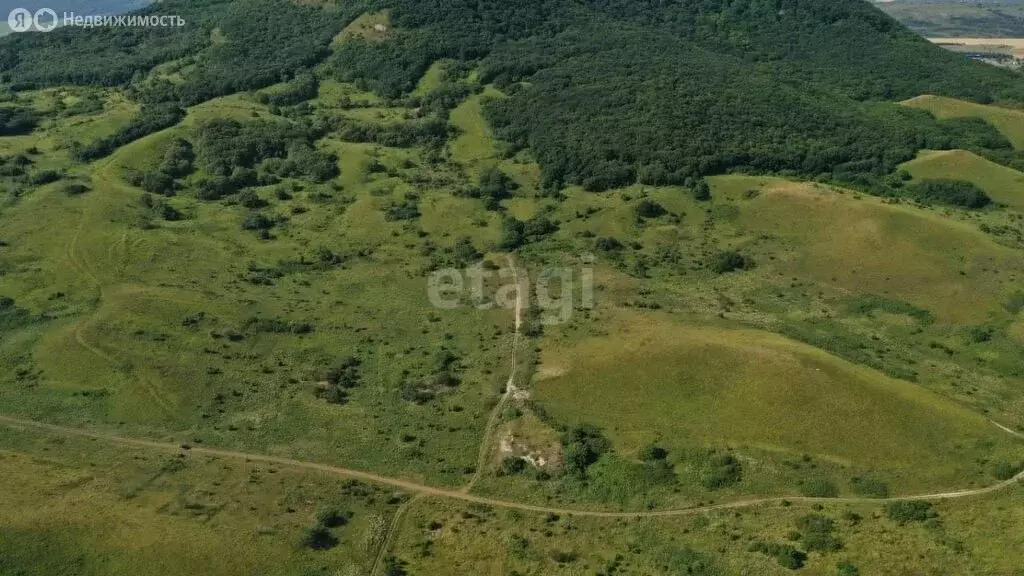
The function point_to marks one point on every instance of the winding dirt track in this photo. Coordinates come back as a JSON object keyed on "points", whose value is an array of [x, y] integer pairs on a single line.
{"points": [[425, 490], [510, 387]]}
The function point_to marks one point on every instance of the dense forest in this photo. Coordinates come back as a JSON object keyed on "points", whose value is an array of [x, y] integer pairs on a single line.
{"points": [[236, 46], [106, 56], [608, 92], [603, 92]]}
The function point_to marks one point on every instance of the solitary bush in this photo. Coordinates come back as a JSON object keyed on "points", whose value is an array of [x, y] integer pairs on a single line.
{"points": [[159, 207], [729, 261], [44, 177], [408, 209], [495, 186], [512, 465], [257, 221], [339, 380], [347, 374], [563, 557], [847, 569], [702, 192], [980, 334], [649, 209], [905, 511], [332, 518], [786, 555], [394, 567], [723, 470], [817, 533], [583, 444], [1006, 470], [653, 452], [250, 199], [319, 538], [608, 244], [11, 316], [74, 189]]}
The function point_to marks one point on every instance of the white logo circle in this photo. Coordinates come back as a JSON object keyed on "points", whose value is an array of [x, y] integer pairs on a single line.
{"points": [[47, 25], [20, 20]]}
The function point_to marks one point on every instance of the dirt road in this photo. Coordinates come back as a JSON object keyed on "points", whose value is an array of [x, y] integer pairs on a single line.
{"points": [[510, 387], [470, 498]]}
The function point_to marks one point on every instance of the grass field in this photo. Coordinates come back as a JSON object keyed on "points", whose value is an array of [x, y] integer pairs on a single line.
{"points": [[1009, 122], [865, 246], [818, 252], [655, 382], [1017, 331], [964, 538], [1002, 184], [127, 358], [72, 506]]}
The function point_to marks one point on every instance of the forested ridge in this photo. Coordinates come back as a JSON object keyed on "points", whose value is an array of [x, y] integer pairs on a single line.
{"points": [[603, 92]]}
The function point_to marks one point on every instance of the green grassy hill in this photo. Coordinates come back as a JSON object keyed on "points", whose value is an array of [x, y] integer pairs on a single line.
{"points": [[681, 387], [1003, 184], [1009, 122]]}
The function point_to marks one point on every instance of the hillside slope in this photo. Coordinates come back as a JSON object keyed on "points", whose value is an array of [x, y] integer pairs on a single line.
{"points": [[608, 92], [604, 92]]}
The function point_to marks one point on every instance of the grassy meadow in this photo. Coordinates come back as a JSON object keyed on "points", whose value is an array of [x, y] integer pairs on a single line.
{"points": [[129, 359], [957, 539], [862, 246], [680, 387], [1009, 122], [76, 506], [1004, 185]]}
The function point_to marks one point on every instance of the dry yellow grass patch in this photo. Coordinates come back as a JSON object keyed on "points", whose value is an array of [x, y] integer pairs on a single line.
{"points": [[1013, 46]]}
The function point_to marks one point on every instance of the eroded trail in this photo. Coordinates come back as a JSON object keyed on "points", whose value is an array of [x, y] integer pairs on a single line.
{"points": [[510, 387], [460, 495]]}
